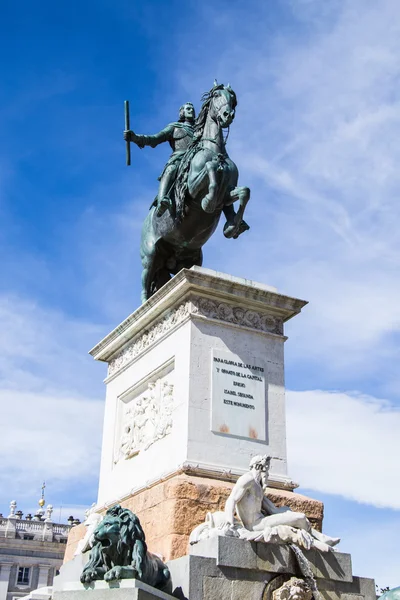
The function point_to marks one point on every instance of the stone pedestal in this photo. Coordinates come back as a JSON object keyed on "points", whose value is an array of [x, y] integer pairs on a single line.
{"points": [[126, 589], [195, 384], [235, 569], [67, 586]]}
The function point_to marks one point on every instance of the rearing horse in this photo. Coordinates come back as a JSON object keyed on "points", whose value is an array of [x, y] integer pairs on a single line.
{"points": [[206, 185]]}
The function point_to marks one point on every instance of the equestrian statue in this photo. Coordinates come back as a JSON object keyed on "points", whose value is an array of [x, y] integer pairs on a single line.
{"points": [[198, 183]]}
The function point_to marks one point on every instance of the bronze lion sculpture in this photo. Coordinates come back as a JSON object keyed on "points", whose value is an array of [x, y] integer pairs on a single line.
{"points": [[119, 551]]}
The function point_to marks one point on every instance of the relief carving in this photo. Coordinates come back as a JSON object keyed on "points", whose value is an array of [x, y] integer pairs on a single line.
{"points": [[146, 420], [239, 316], [149, 337]]}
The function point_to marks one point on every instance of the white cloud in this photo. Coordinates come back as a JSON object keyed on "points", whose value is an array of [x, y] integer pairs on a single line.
{"points": [[51, 400], [345, 444], [47, 437], [45, 349]]}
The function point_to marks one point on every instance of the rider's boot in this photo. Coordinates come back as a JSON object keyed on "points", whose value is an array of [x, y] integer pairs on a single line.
{"points": [[163, 205], [164, 201]]}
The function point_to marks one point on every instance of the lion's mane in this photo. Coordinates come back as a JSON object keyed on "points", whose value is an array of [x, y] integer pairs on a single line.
{"points": [[119, 540]]}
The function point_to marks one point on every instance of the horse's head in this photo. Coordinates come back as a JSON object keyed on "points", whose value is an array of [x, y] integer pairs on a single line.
{"points": [[223, 104]]}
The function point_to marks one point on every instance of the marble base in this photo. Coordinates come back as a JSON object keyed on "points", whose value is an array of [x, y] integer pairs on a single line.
{"points": [[66, 586], [228, 568], [195, 384], [126, 589]]}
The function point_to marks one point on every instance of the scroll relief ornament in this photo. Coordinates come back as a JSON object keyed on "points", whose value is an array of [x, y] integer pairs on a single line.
{"points": [[197, 306], [149, 337], [149, 419], [238, 315]]}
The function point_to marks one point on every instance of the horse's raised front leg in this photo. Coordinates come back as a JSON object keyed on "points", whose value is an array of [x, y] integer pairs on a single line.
{"points": [[235, 225], [209, 202]]}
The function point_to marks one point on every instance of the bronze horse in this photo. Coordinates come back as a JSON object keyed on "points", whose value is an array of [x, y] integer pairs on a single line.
{"points": [[206, 185]]}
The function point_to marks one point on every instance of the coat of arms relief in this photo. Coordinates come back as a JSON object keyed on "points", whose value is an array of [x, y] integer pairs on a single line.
{"points": [[146, 419]]}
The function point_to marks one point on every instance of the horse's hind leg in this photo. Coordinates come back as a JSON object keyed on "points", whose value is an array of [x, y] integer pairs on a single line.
{"points": [[149, 262], [146, 284], [198, 261]]}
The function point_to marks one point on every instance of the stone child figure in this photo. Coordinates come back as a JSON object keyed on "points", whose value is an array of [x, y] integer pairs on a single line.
{"points": [[179, 135], [261, 519]]}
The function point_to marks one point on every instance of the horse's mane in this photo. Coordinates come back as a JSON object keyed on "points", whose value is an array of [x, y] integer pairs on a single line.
{"points": [[202, 116]]}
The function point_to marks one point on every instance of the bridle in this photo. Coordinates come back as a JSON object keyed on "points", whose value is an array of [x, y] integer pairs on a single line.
{"points": [[218, 107]]}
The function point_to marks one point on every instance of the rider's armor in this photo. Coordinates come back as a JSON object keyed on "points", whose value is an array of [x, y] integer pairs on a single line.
{"points": [[179, 135]]}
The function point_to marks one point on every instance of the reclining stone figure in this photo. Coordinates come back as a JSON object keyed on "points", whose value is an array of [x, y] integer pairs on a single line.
{"points": [[260, 519]]}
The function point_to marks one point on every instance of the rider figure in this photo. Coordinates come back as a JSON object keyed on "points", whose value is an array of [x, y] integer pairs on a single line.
{"points": [[179, 135]]}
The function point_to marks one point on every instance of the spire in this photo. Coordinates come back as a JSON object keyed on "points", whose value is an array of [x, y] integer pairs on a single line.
{"points": [[42, 500]]}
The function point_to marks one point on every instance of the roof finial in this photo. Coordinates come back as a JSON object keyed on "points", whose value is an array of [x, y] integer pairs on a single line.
{"points": [[42, 500], [13, 506]]}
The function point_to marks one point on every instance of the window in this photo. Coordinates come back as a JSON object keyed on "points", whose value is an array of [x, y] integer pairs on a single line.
{"points": [[23, 575], [63, 540], [28, 537]]}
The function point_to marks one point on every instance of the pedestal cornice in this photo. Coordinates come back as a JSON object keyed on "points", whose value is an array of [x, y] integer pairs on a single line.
{"points": [[197, 292]]}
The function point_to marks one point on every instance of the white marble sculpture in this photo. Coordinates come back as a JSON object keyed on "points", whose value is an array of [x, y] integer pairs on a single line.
{"points": [[91, 522], [260, 519], [49, 511], [13, 508], [147, 420]]}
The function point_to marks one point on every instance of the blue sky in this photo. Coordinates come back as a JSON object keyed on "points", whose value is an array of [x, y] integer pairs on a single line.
{"points": [[315, 138]]}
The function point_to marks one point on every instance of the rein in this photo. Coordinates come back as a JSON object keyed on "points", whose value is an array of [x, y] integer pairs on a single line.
{"points": [[214, 141]]}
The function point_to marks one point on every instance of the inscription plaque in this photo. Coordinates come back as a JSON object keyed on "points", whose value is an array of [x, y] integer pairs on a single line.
{"points": [[237, 395]]}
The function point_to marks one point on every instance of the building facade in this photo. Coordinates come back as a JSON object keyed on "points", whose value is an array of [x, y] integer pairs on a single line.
{"points": [[31, 551]]}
